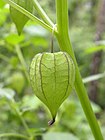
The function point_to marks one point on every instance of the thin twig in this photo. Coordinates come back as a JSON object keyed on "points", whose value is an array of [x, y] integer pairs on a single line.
{"points": [[23, 63], [42, 13], [13, 135]]}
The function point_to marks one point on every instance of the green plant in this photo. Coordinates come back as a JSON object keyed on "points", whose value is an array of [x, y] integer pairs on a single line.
{"points": [[61, 33]]}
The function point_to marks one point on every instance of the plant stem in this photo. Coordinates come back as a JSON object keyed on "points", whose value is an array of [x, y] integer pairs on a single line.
{"points": [[65, 45], [23, 121], [14, 107], [23, 63], [13, 135], [42, 13], [29, 15]]}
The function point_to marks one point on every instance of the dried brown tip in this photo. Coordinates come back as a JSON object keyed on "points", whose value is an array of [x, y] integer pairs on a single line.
{"points": [[51, 122]]}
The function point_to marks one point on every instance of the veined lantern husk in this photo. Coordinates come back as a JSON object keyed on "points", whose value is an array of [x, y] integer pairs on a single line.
{"points": [[52, 77]]}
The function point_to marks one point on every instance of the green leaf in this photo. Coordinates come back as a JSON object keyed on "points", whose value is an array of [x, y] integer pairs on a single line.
{"points": [[18, 18], [3, 15], [1, 3], [59, 136], [14, 61], [29, 103], [16, 81], [94, 49], [14, 39], [7, 93]]}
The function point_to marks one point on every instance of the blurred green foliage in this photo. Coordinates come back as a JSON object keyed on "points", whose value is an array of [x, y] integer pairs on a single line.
{"points": [[16, 96]]}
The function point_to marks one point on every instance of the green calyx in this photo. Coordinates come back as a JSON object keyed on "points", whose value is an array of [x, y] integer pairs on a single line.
{"points": [[52, 77]]}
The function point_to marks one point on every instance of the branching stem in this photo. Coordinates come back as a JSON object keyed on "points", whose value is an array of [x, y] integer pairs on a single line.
{"points": [[65, 45], [42, 13]]}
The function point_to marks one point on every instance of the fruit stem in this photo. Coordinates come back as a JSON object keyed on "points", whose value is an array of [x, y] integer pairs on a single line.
{"points": [[52, 48], [51, 122]]}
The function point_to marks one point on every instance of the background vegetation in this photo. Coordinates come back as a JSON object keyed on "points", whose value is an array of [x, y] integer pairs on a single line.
{"points": [[20, 111]]}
